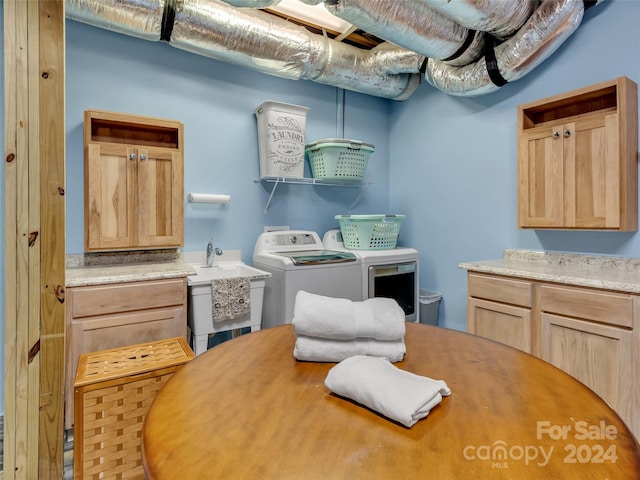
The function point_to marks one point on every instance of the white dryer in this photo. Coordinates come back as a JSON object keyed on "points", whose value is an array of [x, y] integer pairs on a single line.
{"points": [[391, 273], [297, 260]]}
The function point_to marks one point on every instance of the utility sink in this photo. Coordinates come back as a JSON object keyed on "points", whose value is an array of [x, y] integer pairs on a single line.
{"points": [[199, 301], [205, 274]]}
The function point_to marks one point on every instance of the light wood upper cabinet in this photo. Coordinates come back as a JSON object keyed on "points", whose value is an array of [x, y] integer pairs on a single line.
{"points": [[134, 182], [578, 159]]}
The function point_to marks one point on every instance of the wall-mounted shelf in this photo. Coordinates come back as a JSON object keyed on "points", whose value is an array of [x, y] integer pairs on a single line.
{"points": [[312, 181]]}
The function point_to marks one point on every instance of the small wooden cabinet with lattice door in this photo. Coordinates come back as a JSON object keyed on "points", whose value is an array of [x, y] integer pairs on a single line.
{"points": [[112, 394]]}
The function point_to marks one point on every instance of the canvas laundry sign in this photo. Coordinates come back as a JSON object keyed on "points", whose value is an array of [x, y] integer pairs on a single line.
{"points": [[281, 139]]}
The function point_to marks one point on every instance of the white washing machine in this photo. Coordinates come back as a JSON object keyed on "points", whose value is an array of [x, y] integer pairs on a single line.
{"points": [[297, 260], [391, 273]]}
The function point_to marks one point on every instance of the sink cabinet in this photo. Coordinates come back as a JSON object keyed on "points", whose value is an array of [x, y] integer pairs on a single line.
{"points": [[592, 334], [133, 182], [577, 159], [589, 334], [101, 317], [500, 309]]}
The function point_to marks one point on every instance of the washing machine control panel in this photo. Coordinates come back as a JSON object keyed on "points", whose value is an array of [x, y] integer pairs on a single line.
{"points": [[301, 239], [288, 240]]}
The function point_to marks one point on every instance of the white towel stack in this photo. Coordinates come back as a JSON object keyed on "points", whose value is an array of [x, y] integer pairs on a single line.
{"points": [[397, 394], [333, 329]]}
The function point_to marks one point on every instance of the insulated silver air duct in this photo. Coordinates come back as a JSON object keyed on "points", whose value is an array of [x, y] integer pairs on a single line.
{"points": [[549, 26], [250, 38], [500, 18], [265, 3], [253, 3], [137, 18], [389, 58], [412, 25], [440, 30], [263, 42]]}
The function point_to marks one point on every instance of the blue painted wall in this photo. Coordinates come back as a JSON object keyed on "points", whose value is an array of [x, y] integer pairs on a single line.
{"points": [[216, 101], [449, 163], [453, 160]]}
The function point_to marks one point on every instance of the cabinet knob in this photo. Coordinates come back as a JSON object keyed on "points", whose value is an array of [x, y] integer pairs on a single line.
{"points": [[143, 157], [132, 156], [556, 135], [567, 133]]}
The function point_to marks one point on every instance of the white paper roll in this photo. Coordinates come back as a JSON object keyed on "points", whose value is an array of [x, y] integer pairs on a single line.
{"points": [[208, 198]]}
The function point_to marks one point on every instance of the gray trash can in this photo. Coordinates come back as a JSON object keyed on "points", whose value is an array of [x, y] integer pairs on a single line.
{"points": [[429, 305]]}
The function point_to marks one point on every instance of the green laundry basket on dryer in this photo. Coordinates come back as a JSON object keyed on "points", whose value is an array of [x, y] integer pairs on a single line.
{"points": [[370, 232]]}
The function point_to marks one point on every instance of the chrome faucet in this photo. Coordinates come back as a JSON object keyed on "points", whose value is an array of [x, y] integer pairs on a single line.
{"points": [[211, 251]]}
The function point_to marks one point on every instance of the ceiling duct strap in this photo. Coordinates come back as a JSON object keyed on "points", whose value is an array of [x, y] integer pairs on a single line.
{"points": [[589, 3], [492, 63], [467, 41], [423, 67], [168, 17]]}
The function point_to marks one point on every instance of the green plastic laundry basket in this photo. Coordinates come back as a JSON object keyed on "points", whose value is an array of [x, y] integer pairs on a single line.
{"points": [[338, 159], [370, 232]]}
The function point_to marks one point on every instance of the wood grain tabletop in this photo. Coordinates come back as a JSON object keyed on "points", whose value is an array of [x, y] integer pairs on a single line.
{"points": [[246, 409]]}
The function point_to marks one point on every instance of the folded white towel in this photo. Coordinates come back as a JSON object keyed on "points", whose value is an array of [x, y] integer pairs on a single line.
{"points": [[230, 299], [313, 349], [397, 394], [343, 319]]}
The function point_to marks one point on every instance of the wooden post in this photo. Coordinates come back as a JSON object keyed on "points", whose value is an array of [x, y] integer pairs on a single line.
{"points": [[34, 238]]}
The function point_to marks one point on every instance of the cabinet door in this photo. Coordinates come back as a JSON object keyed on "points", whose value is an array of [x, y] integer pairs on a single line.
{"points": [[500, 322], [569, 175], [592, 173], [160, 198], [600, 356], [540, 178], [110, 199]]}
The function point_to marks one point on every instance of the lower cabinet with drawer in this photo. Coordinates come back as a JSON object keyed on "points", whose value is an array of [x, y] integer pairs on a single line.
{"points": [[500, 309], [101, 317], [589, 333]]}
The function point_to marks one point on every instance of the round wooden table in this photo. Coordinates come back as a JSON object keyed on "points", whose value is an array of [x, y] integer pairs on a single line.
{"points": [[247, 409]]}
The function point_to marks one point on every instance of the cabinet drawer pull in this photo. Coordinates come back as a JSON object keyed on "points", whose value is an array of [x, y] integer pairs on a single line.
{"points": [[556, 135], [132, 156], [567, 133], [143, 157]]}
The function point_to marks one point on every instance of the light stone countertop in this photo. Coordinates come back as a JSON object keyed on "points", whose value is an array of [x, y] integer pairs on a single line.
{"points": [[606, 272], [122, 267]]}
